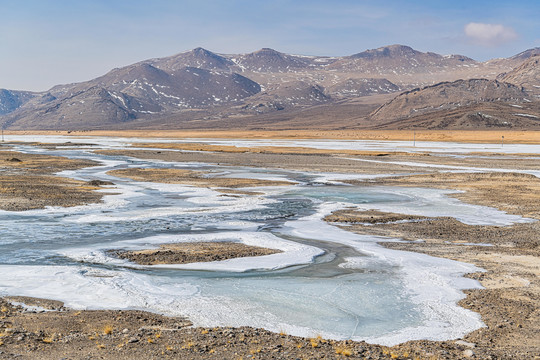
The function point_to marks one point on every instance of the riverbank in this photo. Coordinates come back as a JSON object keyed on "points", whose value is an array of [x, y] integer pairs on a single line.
{"points": [[28, 181], [44, 329]]}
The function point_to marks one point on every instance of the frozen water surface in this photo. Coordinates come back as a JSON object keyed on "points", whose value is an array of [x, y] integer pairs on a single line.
{"points": [[325, 281]]}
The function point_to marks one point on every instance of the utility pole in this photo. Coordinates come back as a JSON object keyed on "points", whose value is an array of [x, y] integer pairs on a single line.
{"points": [[502, 141], [414, 138]]}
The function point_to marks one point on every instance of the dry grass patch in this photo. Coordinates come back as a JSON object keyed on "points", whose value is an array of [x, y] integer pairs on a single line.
{"points": [[184, 253], [27, 182], [25, 192], [470, 136], [42, 164]]}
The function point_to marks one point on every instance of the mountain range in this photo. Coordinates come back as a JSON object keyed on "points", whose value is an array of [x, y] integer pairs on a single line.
{"points": [[389, 88]]}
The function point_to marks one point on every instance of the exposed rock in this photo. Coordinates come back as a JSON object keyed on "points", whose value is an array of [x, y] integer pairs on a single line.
{"points": [[448, 95], [526, 75], [99, 182]]}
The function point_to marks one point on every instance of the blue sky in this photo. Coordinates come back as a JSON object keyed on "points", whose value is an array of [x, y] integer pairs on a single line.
{"points": [[46, 42]]}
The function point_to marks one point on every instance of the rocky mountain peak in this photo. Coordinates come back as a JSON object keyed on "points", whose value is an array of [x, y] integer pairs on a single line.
{"points": [[270, 60], [526, 54], [391, 51], [527, 75], [198, 57]]}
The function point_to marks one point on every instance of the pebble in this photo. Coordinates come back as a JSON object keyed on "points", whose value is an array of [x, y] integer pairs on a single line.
{"points": [[468, 353], [133, 340]]}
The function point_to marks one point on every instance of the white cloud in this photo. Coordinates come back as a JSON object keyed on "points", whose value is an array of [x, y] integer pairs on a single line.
{"points": [[489, 34]]}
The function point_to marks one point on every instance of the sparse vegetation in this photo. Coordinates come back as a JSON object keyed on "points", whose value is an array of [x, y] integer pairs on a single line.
{"points": [[255, 351], [342, 349], [49, 339], [108, 329]]}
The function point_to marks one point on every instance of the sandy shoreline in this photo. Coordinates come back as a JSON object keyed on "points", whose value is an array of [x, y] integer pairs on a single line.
{"points": [[509, 305]]}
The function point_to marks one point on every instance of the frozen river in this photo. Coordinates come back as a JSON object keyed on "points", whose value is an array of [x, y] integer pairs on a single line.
{"points": [[326, 281]]}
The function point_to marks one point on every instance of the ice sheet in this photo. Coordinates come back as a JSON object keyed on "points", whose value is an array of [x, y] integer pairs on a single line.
{"points": [[435, 283]]}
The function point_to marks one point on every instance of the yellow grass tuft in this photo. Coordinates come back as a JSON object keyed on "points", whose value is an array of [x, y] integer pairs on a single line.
{"points": [[204, 332], [320, 339], [346, 352], [158, 335], [100, 346], [343, 350], [150, 340], [314, 343], [108, 329], [48, 339], [4, 309], [255, 351], [169, 348]]}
